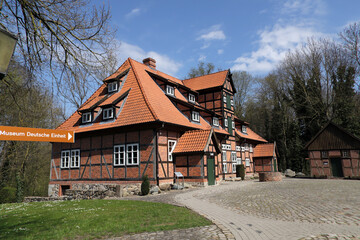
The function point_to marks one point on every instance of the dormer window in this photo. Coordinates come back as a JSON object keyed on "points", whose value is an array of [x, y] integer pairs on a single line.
{"points": [[243, 129], [112, 87], [195, 116], [108, 113], [216, 121], [170, 90], [86, 117], [191, 98]]}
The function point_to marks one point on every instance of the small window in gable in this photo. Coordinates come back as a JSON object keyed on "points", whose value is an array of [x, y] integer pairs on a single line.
{"points": [[216, 121], [226, 122], [195, 116], [108, 113], [243, 129], [170, 90], [86, 117], [191, 98], [112, 87]]}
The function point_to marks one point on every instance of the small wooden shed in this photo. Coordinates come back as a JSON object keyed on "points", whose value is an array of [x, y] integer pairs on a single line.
{"points": [[265, 157], [334, 152]]}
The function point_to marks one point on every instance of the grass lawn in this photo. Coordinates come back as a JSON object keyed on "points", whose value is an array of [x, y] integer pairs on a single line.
{"points": [[89, 219]]}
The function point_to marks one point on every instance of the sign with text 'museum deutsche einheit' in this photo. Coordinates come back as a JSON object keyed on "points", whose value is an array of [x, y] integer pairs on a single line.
{"points": [[35, 134]]}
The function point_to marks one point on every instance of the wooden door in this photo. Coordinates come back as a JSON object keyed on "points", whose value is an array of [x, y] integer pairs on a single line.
{"points": [[211, 170]]}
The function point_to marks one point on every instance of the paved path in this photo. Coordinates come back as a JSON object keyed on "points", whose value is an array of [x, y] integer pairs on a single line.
{"points": [[214, 201]]}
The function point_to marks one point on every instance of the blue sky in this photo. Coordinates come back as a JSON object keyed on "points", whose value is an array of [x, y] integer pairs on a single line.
{"points": [[241, 35]]}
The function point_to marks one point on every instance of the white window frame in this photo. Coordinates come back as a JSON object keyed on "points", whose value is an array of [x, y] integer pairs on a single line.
{"points": [[86, 117], [226, 122], [119, 154], [242, 148], [225, 167], [233, 156], [192, 98], [75, 158], [131, 153], [195, 116], [224, 99], [247, 162], [112, 86], [251, 148], [224, 156], [232, 102], [170, 90], [246, 147], [215, 121], [238, 149], [238, 161], [108, 113], [65, 159], [345, 153], [233, 167], [171, 149], [243, 129], [233, 125]]}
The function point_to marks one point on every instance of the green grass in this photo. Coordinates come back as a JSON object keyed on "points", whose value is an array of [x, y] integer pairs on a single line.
{"points": [[89, 219]]}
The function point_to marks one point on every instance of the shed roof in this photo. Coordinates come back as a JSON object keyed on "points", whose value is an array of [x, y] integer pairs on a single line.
{"points": [[265, 150], [333, 137]]}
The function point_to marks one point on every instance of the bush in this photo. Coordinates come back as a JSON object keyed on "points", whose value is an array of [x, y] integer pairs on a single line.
{"points": [[240, 171], [8, 195], [145, 185]]}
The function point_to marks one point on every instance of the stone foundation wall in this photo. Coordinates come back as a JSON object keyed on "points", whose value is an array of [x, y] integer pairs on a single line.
{"points": [[53, 190], [270, 176]]}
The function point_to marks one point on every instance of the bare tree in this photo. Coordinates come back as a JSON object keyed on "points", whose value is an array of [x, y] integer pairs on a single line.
{"points": [[351, 39]]}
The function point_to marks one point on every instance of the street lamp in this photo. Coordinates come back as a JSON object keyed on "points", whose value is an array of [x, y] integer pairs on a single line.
{"points": [[7, 47]]}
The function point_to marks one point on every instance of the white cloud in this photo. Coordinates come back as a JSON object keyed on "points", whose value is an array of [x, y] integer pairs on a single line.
{"points": [[134, 12], [304, 7], [202, 58], [273, 46], [163, 62], [213, 33], [220, 51]]}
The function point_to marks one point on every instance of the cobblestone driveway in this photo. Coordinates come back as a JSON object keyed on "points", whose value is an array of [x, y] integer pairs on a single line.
{"points": [[305, 200]]}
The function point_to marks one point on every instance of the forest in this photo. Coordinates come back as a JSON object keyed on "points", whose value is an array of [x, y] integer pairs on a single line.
{"points": [[315, 83]]}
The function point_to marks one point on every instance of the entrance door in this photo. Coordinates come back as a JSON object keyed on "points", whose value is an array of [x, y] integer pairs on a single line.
{"points": [[211, 170], [336, 167]]}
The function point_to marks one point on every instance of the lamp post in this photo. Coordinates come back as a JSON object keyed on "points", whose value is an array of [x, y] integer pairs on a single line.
{"points": [[7, 47]]}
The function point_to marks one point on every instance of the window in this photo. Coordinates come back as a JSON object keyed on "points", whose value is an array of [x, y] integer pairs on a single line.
{"points": [[65, 159], [234, 167], [233, 156], [215, 121], [224, 156], [242, 148], [246, 147], [86, 117], [225, 167], [345, 153], [251, 148], [226, 122], [238, 148], [75, 158], [170, 90], [238, 161], [108, 113], [324, 154], [171, 147], [195, 116], [191, 98], [119, 155], [132, 151], [233, 125], [224, 99], [112, 87], [232, 102], [243, 129], [247, 162]]}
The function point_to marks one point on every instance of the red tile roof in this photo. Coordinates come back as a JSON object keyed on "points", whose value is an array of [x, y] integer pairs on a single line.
{"points": [[250, 134], [264, 150], [208, 81]]}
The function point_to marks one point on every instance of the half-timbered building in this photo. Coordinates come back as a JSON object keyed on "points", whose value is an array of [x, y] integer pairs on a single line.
{"points": [[144, 122], [334, 152]]}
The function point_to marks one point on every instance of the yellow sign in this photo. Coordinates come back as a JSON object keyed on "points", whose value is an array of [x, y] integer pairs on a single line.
{"points": [[35, 134]]}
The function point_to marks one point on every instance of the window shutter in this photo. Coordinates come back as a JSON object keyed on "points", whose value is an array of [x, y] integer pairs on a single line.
{"points": [[230, 126], [228, 101]]}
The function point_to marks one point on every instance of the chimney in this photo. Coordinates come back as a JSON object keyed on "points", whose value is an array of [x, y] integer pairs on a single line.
{"points": [[150, 62]]}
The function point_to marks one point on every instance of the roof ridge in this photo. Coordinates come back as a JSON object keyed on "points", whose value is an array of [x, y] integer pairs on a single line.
{"points": [[205, 75], [142, 90]]}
